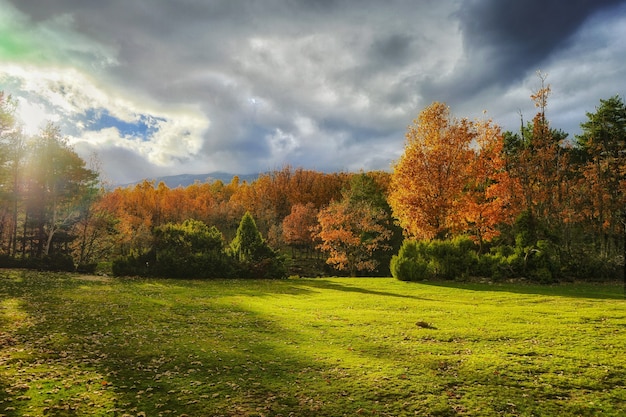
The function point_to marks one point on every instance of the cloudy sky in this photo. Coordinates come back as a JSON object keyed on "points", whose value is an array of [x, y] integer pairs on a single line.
{"points": [[189, 86]]}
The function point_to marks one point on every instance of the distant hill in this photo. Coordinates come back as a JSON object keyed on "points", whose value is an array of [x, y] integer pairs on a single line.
{"points": [[183, 180]]}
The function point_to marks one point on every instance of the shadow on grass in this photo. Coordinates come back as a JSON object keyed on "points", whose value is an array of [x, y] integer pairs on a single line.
{"points": [[118, 352], [600, 291], [170, 347], [334, 285]]}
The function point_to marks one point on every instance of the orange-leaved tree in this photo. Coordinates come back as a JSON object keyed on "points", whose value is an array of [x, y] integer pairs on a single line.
{"points": [[538, 158], [298, 226], [489, 192], [350, 232], [428, 180]]}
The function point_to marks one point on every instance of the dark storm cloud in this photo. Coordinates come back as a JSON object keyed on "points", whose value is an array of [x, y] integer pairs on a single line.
{"points": [[514, 37], [394, 49], [330, 84]]}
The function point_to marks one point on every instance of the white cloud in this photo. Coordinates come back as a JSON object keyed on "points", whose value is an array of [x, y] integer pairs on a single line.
{"points": [[325, 85], [65, 95], [33, 116]]}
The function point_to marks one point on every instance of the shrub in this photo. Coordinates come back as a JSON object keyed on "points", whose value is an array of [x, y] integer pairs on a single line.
{"points": [[453, 259], [7, 261], [55, 262], [134, 265], [410, 264], [491, 265], [89, 268], [190, 250], [590, 266]]}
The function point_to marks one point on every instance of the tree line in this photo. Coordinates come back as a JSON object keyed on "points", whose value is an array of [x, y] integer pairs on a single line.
{"points": [[464, 199], [533, 204]]}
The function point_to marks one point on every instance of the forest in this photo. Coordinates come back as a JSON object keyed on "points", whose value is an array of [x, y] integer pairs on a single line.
{"points": [[465, 200]]}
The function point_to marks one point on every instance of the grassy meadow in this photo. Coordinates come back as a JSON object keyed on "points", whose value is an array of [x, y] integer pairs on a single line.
{"points": [[75, 345]]}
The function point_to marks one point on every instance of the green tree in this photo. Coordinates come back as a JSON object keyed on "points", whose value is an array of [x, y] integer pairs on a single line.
{"points": [[256, 258], [11, 161], [365, 188], [248, 239], [602, 147], [58, 183]]}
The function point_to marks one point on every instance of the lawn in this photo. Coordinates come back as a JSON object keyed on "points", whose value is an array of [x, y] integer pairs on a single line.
{"points": [[74, 346]]}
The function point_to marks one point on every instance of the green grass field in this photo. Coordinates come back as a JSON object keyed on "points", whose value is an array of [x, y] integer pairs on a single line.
{"points": [[74, 346]]}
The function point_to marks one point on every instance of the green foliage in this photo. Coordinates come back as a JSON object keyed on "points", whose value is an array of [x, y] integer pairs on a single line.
{"points": [[190, 250], [58, 262], [265, 262], [55, 262], [194, 250], [458, 259], [365, 189], [256, 259], [187, 250], [87, 268], [134, 265], [452, 259], [525, 230], [604, 132], [410, 264], [437, 259], [248, 239], [588, 265]]}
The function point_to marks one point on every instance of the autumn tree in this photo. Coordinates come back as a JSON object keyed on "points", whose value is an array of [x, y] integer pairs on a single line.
{"points": [[350, 233], [372, 189], [429, 178], [538, 159], [603, 171], [134, 209], [298, 226], [489, 193]]}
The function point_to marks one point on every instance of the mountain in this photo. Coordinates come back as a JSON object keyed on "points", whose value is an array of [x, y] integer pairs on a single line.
{"points": [[183, 180]]}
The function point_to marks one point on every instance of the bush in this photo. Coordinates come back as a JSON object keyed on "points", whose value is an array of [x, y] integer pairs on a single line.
{"points": [[199, 265], [453, 259], [60, 262], [410, 264], [539, 261], [55, 262], [190, 250], [89, 268], [590, 266], [491, 265], [263, 262], [7, 261], [446, 259], [132, 265]]}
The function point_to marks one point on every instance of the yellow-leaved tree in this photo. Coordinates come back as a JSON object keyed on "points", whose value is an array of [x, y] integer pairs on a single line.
{"points": [[429, 178]]}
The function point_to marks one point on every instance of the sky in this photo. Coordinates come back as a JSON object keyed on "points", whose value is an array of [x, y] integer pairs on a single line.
{"points": [[155, 88]]}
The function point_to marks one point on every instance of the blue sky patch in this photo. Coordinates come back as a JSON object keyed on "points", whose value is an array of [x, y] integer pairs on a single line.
{"points": [[143, 127]]}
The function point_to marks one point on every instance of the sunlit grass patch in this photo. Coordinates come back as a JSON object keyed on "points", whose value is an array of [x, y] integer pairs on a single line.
{"points": [[307, 347]]}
